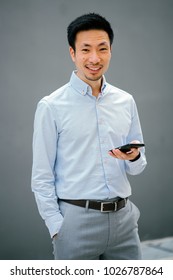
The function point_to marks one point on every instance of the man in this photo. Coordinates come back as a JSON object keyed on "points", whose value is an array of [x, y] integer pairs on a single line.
{"points": [[81, 188]]}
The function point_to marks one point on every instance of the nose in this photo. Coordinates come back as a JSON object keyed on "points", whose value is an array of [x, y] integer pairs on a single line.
{"points": [[94, 57]]}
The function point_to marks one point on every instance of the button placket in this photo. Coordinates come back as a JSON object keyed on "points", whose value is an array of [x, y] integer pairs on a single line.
{"points": [[103, 139]]}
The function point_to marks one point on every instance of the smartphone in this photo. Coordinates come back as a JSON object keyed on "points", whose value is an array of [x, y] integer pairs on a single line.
{"points": [[126, 148]]}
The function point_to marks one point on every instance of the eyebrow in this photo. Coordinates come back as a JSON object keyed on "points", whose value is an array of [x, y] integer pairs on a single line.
{"points": [[101, 44]]}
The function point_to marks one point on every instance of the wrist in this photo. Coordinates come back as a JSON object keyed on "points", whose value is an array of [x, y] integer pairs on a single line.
{"points": [[136, 158]]}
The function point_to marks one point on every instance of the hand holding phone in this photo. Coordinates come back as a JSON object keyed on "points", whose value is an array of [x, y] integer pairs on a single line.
{"points": [[127, 148]]}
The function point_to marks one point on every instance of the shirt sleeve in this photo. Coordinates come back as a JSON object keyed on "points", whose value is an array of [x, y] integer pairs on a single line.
{"points": [[45, 139], [135, 133]]}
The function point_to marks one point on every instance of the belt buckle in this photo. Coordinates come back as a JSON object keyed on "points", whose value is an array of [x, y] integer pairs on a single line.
{"points": [[108, 202]]}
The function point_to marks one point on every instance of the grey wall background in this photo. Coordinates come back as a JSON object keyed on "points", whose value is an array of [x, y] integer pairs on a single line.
{"points": [[34, 62]]}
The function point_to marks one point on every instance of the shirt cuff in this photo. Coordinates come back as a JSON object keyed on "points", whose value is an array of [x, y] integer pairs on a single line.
{"points": [[54, 224]]}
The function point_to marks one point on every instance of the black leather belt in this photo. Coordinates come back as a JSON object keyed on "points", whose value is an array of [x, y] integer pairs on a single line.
{"points": [[103, 206]]}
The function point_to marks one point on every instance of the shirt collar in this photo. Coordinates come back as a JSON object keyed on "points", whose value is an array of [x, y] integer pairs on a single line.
{"points": [[82, 87]]}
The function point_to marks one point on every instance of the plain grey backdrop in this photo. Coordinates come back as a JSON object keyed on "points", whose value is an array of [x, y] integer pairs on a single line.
{"points": [[34, 61]]}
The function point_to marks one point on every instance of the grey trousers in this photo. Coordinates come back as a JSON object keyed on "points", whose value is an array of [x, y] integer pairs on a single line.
{"points": [[88, 234]]}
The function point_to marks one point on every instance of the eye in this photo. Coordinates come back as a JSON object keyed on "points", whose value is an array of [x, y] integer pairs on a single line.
{"points": [[85, 50], [103, 49]]}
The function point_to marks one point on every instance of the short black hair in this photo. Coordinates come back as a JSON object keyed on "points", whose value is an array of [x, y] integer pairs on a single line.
{"points": [[88, 22]]}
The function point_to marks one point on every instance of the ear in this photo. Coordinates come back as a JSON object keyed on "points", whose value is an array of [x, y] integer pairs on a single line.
{"points": [[72, 53]]}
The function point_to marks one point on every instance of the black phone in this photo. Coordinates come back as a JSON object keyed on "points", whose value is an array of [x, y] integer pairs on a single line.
{"points": [[126, 148]]}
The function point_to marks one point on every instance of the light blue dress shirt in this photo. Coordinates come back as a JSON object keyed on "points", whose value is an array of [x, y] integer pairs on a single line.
{"points": [[73, 132]]}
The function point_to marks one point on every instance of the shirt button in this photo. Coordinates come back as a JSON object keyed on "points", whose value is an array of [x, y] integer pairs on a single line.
{"points": [[101, 121]]}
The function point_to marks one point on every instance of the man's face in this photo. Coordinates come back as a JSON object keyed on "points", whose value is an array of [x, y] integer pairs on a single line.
{"points": [[92, 55]]}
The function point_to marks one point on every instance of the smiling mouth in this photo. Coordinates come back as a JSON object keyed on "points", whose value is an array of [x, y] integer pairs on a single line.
{"points": [[94, 69]]}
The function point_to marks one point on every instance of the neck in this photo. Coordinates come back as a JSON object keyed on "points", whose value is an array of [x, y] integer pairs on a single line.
{"points": [[94, 84], [96, 87], [96, 91]]}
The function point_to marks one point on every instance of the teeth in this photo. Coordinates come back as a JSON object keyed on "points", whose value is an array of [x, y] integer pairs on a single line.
{"points": [[94, 69]]}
